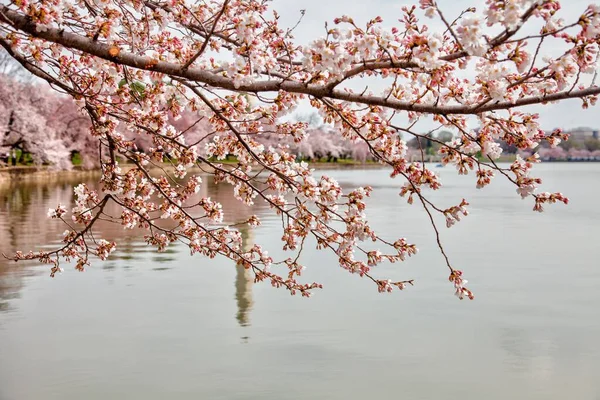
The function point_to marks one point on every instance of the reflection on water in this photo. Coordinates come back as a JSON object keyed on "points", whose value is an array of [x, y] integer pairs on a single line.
{"points": [[24, 226], [243, 294], [244, 282], [154, 326]]}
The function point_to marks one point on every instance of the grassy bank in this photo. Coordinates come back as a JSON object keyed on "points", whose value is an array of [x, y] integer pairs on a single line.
{"points": [[32, 173], [20, 174]]}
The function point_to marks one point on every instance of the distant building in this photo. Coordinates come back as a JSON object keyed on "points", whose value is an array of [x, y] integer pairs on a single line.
{"points": [[583, 133]]}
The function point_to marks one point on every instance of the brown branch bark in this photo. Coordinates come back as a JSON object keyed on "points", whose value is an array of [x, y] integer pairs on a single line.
{"points": [[102, 50]]}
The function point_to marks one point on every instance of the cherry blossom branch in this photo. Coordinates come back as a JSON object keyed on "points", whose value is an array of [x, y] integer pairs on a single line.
{"points": [[106, 51], [136, 68], [207, 39]]}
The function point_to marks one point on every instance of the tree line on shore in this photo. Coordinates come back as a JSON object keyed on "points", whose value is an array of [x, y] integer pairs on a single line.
{"points": [[577, 148]]}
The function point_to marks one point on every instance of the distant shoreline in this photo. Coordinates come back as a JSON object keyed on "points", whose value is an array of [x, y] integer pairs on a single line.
{"points": [[32, 174], [35, 174]]}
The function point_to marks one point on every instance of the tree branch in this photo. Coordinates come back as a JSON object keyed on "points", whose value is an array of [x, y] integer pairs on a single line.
{"points": [[103, 50]]}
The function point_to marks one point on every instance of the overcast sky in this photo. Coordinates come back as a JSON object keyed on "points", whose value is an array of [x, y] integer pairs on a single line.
{"points": [[567, 114]]}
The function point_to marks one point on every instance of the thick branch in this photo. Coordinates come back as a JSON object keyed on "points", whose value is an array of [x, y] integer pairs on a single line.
{"points": [[102, 50]]}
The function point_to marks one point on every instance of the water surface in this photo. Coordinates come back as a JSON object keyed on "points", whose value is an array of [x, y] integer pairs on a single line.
{"points": [[154, 326]]}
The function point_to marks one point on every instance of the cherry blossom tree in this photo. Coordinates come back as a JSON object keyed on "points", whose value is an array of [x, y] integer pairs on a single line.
{"points": [[556, 153], [23, 123], [73, 129], [136, 65], [317, 143], [577, 154], [49, 126]]}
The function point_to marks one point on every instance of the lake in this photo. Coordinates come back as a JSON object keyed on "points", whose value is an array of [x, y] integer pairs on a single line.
{"points": [[145, 325]]}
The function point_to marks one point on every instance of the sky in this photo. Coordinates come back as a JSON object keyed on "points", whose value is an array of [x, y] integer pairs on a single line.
{"points": [[566, 114]]}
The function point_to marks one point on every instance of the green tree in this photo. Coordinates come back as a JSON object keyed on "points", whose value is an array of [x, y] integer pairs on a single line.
{"points": [[591, 144], [444, 136]]}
